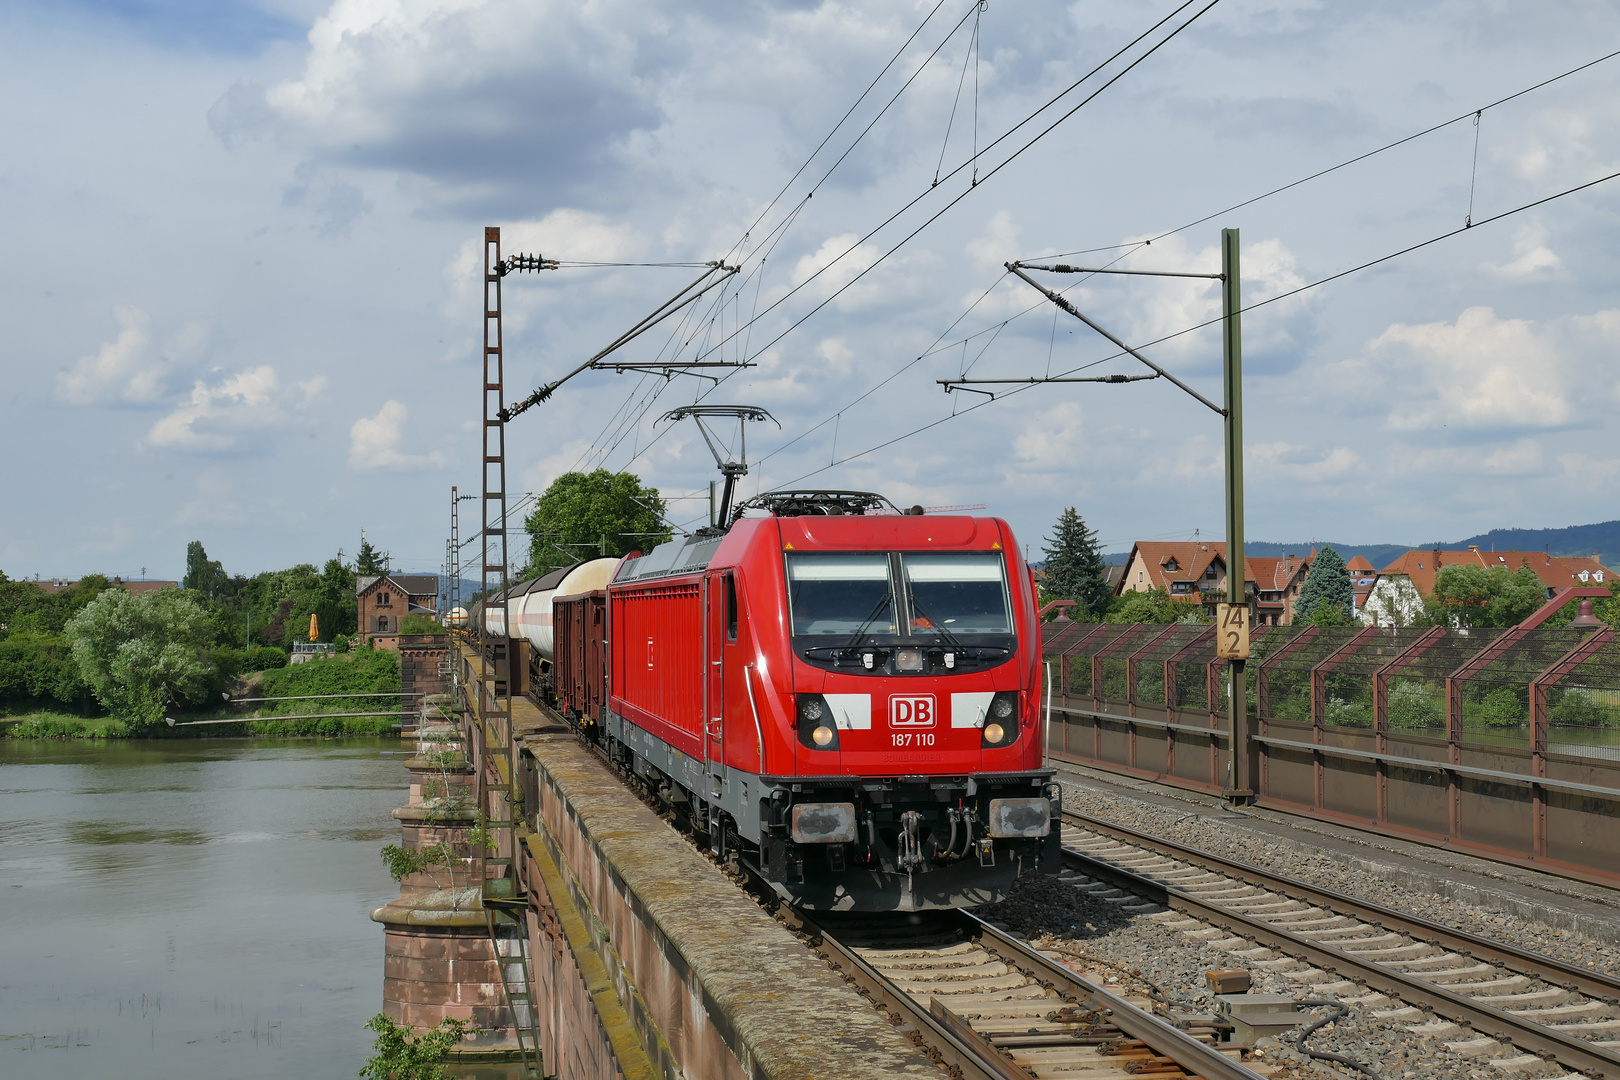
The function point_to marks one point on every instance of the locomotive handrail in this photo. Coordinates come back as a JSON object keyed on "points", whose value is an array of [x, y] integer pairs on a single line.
{"points": [[759, 732]]}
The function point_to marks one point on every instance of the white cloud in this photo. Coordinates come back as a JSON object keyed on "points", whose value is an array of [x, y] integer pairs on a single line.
{"points": [[477, 96], [1281, 460], [1479, 372], [375, 441], [121, 370], [1531, 255], [837, 354], [1054, 441], [215, 417], [998, 244], [1589, 470]]}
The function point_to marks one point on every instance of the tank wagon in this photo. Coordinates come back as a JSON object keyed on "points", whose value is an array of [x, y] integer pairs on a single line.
{"points": [[845, 695]]}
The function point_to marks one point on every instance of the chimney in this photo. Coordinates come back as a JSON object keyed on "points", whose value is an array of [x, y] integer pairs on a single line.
{"points": [[1474, 548]]}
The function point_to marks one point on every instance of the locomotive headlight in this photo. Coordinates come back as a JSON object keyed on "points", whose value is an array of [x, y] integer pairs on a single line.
{"points": [[1001, 720], [816, 729], [910, 660]]}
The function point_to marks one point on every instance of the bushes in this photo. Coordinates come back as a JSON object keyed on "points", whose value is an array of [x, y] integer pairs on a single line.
{"points": [[52, 725]]}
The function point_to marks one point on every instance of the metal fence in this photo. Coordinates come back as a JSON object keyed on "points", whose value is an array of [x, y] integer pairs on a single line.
{"points": [[1506, 743]]}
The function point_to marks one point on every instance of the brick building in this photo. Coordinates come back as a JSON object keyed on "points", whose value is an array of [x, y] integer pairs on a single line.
{"points": [[386, 599]]}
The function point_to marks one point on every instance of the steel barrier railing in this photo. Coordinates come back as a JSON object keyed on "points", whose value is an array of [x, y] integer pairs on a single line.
{"points": [[1501, 742]]}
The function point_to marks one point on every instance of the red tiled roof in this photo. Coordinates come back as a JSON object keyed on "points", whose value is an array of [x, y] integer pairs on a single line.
{"points": [[1167, 562], [1275, 574], [1555, 571], [1359, 566]]}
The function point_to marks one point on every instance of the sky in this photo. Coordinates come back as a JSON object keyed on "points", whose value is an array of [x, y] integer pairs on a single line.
{"points": [[241, 293]]}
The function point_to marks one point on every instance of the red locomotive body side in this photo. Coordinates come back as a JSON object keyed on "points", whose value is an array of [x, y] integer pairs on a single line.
{"points": [[656, 658]]}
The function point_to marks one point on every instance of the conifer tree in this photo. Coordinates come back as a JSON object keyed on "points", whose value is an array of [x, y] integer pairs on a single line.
{"points": [[1074, 564], [1327, 595], [368, 561]]}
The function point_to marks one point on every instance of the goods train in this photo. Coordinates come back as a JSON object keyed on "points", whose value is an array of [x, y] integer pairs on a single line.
{"points": [[845, 695]]}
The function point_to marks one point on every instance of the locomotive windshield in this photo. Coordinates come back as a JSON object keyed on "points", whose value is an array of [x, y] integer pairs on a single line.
{"points": [[840, 595], [951, 595], [853, 598]]}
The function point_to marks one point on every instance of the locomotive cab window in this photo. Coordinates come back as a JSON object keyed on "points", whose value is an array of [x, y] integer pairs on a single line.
{"points": [[840, 596], [731, 608], [951, 595]]}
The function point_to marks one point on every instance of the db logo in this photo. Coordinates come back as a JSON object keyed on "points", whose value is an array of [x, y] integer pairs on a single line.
{"points": [[912, 711]]}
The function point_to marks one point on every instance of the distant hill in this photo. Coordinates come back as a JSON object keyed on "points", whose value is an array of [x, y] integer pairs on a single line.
{"points": [[1380, 555], [1602, 539]]}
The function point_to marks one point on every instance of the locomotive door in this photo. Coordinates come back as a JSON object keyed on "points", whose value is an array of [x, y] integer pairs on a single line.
{"points": [[720, 642]]}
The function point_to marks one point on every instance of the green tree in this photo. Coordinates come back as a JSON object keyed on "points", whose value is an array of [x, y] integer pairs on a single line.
{"points": [[1074, 565], [203, 574], [141, 653], [1327, 598], [582, 515], [1153, 606], [335, 601], [1467, 594], [368, 561]]}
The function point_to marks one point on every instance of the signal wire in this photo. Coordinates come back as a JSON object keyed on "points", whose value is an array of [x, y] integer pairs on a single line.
{"points": [[990, 146], [1352, 161], [973, 162], [1020, 388]]}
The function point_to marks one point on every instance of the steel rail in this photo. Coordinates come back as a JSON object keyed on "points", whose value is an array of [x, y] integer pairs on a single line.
{"points": [[976, 1056], [1534, 965], [1197, 1057], [1540, 1039]]}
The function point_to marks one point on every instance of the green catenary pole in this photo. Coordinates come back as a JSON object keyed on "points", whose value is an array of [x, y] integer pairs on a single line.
{"points": [[1243, 771]]}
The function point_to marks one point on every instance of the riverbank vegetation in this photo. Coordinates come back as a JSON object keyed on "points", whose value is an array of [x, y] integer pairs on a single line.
{"points": [[101, 660]]}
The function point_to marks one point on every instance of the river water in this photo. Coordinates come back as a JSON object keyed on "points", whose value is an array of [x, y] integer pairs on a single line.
{"points": [[192, 908]]}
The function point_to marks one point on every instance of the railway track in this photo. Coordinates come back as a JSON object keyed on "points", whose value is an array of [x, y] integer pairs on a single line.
{"points": [[994, 1009], [1486, 998]]}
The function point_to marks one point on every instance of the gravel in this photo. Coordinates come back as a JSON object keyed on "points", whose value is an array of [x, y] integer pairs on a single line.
{"points": [[1228, 837], [1144, 957]]}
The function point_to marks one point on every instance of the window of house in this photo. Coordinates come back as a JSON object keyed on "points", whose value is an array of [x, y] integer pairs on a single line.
{"points": [[1210, 572], [384, 600], [1139, 575], [382, 622]]}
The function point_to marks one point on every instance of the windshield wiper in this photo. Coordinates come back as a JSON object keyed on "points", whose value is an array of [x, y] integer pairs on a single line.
{"points": [[860, 631], [916, 610]]}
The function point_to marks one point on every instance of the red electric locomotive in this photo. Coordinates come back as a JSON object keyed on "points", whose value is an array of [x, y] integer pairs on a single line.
{"points": [[848, 694]]}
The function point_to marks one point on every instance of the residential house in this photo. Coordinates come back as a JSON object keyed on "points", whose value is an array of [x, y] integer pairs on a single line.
{"points": [[386, 599], [1396, 597], [1362, 579], [1195, 571], [1275, 585]]}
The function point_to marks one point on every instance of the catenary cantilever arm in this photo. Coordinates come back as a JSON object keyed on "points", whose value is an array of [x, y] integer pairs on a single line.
{"points": [[1062, 302]]}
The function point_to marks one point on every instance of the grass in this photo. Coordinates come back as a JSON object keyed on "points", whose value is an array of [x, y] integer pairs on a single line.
{"points": [[56, 725]]}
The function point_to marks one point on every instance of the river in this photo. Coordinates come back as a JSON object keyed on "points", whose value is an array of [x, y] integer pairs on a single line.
{"points": [[192, 908]]}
